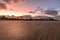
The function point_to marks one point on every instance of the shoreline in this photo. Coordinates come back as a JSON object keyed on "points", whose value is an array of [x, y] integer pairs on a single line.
{"points": [[29, 20]]}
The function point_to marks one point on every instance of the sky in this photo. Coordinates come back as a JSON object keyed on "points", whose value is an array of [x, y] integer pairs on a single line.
{"points": [[33, 4], [27, 5], [45, 4]]}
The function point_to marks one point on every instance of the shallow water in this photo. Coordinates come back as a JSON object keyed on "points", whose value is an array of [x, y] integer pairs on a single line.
{"points": [[29, 30]]}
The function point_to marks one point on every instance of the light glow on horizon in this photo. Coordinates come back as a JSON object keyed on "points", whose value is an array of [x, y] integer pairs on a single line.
{"points": [[20, 13], [15, 13], [10, 12]]}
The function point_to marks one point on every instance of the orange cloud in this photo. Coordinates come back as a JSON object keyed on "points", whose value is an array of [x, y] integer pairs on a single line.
{"points": [[13, 1]]}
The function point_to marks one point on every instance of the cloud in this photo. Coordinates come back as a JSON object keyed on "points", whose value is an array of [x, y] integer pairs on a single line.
{"points": [[3, 3], [18, 0], [2, 6], [7, 1], [51, 12], [14, 1]]}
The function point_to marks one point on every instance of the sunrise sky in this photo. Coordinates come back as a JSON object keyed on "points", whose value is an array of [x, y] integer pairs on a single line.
{"points": [[31, 4], [27, 5]]}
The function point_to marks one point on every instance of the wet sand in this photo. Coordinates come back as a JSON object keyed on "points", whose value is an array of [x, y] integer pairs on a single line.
{"points": [[29, 30]]}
